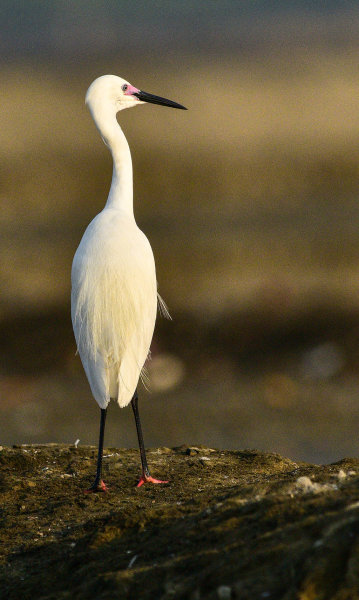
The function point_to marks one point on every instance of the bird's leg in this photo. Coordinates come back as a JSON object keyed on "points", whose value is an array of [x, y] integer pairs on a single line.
{"points": [[99, 485], [146, 476]]}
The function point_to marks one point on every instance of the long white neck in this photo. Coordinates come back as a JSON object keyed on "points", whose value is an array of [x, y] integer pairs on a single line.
{"points": [[121, 191]]}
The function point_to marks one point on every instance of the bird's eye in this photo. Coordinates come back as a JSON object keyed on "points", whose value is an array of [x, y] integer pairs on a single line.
{"points": [[124, 87]]}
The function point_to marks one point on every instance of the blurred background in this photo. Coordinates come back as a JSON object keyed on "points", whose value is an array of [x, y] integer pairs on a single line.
{"points": [[250, 200]]}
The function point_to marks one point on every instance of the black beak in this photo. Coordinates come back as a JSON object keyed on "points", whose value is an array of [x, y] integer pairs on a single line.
{"points": [[145, 97]]}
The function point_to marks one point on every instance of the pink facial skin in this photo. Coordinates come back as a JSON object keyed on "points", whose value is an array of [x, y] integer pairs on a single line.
{"points": [[130, 90]]}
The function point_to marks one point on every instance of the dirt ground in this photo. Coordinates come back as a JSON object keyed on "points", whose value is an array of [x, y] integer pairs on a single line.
{"points": [[228, 525]]}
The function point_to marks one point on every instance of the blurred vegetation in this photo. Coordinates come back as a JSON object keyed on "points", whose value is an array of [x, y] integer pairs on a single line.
{"points": [[250, 202]]}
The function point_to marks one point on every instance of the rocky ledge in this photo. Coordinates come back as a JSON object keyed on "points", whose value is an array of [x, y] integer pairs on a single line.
{"points": [[229, 525]]}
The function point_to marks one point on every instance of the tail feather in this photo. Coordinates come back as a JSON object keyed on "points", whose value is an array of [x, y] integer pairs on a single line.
{"points": [[128, 376]]}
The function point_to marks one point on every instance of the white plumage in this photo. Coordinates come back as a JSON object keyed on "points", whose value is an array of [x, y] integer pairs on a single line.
{"points": [[114, 292], [114, 301], [114, 289]]}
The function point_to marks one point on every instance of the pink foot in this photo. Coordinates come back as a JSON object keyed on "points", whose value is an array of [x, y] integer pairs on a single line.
{"points": [[101, 487], [149, 479]]}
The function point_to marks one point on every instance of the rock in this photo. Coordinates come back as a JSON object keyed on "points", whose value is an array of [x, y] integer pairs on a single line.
{"points": [[188, 537], [224, 592], [192, 451], [342, 475], [307, 486]]}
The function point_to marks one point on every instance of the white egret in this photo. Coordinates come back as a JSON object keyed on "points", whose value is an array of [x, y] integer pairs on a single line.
{"points": [[114, 291]]}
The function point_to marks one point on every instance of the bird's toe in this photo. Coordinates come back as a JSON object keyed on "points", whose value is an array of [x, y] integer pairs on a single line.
{"points": [[97, 487], [149, 479]]}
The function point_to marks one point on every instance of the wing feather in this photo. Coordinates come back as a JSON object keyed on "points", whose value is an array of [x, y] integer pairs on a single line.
{"points": [[114, 301]]}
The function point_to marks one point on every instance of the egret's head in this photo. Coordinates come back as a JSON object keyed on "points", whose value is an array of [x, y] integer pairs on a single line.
{"points": [[113, 93]]}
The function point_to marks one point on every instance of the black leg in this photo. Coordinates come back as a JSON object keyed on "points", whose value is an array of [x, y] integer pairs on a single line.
{"points": [[98, 485], [146, 476], [134, 404]]}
